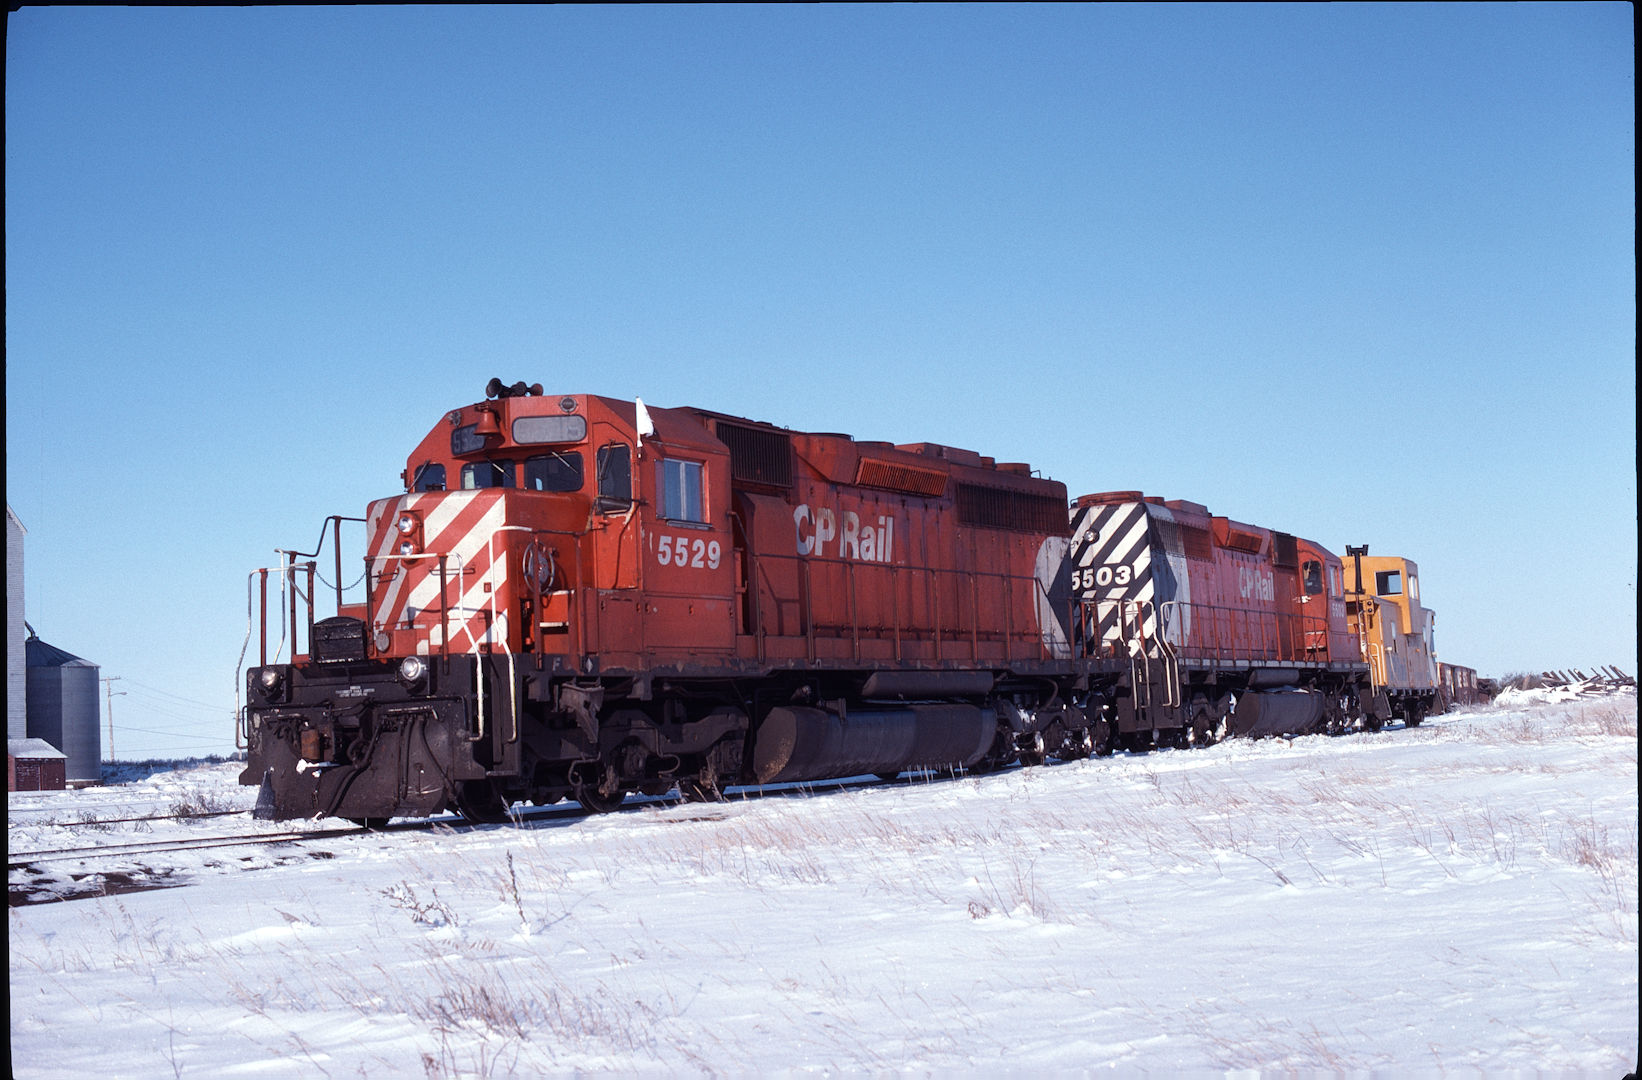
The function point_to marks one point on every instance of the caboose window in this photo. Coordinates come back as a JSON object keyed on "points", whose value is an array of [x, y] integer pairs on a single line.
{"points": [[487, 474], [681, 490], [429, 477], [1314, 577], [1389, 582], [554, 472]]}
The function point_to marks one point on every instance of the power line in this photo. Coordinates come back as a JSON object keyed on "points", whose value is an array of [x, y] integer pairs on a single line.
{"points": [[174, 735], [177, 697], [160, 709]]}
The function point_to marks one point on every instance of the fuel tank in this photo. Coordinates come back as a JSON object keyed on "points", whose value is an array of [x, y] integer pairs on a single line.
{"points": [[801, 743], [1294, 712]]}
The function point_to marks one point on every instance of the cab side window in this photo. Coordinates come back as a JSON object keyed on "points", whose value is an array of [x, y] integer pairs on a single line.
{"points": [[615, 469], [1313, 571], [1389, 583], [680, 483]]}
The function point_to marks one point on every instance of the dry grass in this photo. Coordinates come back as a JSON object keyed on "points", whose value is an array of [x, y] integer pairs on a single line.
{"points": [[491, 958]]}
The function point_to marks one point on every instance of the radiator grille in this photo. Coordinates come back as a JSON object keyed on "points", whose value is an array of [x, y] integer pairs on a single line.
{"points": [[1187, 540], [757, 456], [908, 478], [1016, 511], [1285, 554]]}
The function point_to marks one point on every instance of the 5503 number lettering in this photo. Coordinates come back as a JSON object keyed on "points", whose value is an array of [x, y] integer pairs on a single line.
{"points": [[1100, 577]]}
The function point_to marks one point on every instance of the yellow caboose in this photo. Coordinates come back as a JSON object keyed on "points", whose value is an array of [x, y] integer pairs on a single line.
{"points": [[1383, 609]]}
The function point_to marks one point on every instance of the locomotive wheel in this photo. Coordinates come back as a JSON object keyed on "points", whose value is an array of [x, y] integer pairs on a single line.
{"points": [[371, 823], [1413, 715], [592, 799], [1103, 739], [481, 801], [1077, 745]]}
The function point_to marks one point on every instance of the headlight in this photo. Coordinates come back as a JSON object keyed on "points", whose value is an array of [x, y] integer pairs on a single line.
{"points": [[269, 679], [412, 669], [407, 548], [407, 524]]}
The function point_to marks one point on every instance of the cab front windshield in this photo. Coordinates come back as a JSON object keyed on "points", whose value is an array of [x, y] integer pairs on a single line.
{"points": [[556, 471]]}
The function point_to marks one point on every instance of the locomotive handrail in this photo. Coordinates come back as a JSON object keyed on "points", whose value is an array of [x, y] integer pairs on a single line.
{"points": [[1220, 633], [335, 521], [1171, 665], [444, 598], [250, 609], [512, 672], [285, 569], [1378, 675], [444, 617]]}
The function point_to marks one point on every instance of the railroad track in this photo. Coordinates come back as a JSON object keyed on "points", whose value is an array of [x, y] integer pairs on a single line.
{"points": [[93, 822], [119, 877], [18, 860]]}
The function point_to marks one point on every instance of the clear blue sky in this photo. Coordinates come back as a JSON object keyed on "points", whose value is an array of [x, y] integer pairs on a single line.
{"points": [[1361, 273]]}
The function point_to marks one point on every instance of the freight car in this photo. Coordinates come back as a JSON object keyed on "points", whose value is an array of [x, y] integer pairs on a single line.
{"points": [[581, 597], [1458, 685]]}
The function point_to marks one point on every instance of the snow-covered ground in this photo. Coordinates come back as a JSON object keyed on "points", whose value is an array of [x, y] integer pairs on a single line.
{"points": [[1459, 899]]}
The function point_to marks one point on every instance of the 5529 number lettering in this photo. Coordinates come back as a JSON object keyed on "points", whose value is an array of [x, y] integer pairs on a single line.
{"points": [[686, 551]]}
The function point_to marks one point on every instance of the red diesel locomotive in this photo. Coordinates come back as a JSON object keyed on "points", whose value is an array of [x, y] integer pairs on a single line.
{"points": [[1209, 612], [579, 597]]}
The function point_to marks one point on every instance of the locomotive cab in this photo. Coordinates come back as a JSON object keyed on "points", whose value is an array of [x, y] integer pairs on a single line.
{"points": [[539, 542]]}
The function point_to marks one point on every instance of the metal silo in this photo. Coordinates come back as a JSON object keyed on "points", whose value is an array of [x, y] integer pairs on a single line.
{"points": [[62, 707]]}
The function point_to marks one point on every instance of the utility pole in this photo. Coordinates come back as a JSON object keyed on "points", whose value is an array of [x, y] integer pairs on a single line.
{"points": [[111, 694]]}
